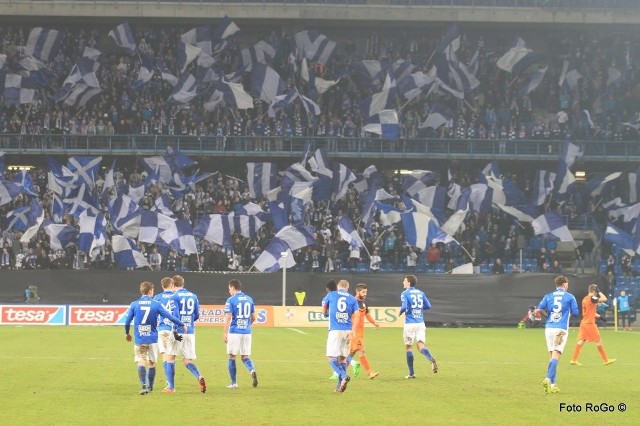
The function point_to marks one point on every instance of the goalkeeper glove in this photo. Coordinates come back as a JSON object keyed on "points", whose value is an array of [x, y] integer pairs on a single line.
{"points": [[176, 336]]}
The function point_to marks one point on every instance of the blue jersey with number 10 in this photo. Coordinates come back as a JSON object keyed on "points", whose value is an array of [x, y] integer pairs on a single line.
{"points": [[241, 308], [341, 307], [559, 306], [187, 308], [414, 302]]}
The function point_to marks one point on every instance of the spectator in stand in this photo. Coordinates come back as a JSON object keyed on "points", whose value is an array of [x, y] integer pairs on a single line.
{"points": [[625, 264], [411, 259], [555, 268], [498, 267], [611, 264], [375, 261], [433, 256]]}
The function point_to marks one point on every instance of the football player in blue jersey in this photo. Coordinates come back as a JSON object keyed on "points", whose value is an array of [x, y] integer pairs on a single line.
{"points": [[187, 307], [340, 306], [144, 313], [168, 346], [239, 315], [414, 302], [558, 306]]}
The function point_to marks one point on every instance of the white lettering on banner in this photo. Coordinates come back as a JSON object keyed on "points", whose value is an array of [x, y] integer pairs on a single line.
{"points": [[34, 314]]}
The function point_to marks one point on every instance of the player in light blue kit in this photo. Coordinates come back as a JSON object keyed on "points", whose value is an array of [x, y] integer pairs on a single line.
{"points": [[144, 313], [414, 302], [558, 306], [187, 308], [340, 306], [240, 313]]}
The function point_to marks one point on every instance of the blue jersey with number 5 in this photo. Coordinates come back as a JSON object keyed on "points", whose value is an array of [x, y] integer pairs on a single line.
{"points": [[165, 300], [187, 308], [241, 308], [341, 307], [414, 302], [559, 305]]}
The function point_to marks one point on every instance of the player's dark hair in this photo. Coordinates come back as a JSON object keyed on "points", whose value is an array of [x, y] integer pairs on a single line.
{"points": [[412, 280], [332, 285], [178, 281], [146, 287], [360, 286], [235, 284], [561, 280]]}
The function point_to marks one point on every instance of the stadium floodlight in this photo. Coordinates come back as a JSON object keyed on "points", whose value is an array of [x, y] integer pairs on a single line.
{"points": [[284, 255]]}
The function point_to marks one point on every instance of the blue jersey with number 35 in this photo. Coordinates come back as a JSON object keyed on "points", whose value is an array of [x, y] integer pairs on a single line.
{"points": [[559, 305], [414, 302], [186, 307], [341, 307], [241, 308]]}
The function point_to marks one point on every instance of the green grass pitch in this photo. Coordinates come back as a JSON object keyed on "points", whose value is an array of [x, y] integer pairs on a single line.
{"points": [[86, 375]]}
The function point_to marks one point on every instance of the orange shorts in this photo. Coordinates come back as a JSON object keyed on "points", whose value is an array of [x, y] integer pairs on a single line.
{"points": [[589, 332], [357, 343]]}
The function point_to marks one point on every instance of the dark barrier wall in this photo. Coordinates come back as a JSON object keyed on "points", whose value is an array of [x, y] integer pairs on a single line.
{"points": [[469, 299]]}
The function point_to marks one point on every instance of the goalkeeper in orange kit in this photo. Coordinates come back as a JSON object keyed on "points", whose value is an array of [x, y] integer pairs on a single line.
{"points": [[357, 332]]}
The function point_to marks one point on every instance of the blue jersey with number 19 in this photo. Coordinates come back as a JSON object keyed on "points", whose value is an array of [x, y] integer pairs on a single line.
{"points": [[186, 307], [341, 307], [559, 305], [414, 302], [241, 308]]}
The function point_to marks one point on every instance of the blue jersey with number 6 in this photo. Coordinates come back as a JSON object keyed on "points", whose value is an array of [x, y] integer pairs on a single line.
{"points": [[187, 308], [559, 305], [414, 302], [341, 307], [241, 308]]}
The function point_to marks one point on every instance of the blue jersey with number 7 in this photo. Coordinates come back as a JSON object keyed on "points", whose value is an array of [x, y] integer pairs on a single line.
{"points": [[414, 302], [559, 306]]}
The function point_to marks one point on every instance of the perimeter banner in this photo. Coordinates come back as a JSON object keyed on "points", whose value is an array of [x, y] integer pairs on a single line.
{"points": [[310, 316], [213, 316]]}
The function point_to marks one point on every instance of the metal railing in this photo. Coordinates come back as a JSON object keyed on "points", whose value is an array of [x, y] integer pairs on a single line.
{"points": [[230, 146]]}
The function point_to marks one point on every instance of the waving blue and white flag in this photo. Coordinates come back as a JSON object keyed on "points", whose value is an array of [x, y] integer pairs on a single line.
{"points": [[17, 219], [123, 37], [340, 180], [349, 233], [621, 238], [260, 53], [266, 83], [18, 89], [415, 84], [200, 37], [57, 209], [92, 231], [421, 231], [121, 210], [552, 225], [232, 94], [60, 235], [439, 115], [145, 74], [314, 46], [185, 54], [152, 224], [8, 191], [23, 180], [185, 90], [127, 253], [261, 178], [287, 240], [542, 186], [385, 123], [79, 200], [216, 228], [180, 237], [43, 44], [597, 185], [85, 168], [35, 217], [418, 180]]}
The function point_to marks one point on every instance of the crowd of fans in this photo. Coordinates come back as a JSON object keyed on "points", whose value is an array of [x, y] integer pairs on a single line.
{"points": [[492, 111]]}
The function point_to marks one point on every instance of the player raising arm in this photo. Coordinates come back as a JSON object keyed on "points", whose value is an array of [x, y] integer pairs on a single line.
{"points": [[558, 306], [144, 313], [588, 328], [414, 303]]}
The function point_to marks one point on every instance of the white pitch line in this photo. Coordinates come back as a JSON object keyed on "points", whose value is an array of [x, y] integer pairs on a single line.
{"points": [[296, 330]]}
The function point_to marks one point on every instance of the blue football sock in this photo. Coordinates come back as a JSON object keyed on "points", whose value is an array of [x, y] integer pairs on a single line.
{"points": [[248, 363], [151, 374], [336, 367], [343, 366], [193, 369], [142, 375], [232, 370], [553, 365], [410, 362], [171, 374], [426, 353], [349, 360]]}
